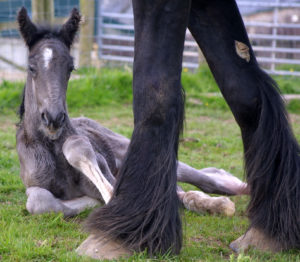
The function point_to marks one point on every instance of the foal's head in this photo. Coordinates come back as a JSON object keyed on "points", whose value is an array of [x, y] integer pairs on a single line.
{"points": [[49, 69]]}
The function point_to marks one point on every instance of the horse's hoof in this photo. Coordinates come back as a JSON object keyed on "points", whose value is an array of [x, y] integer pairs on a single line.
{"points": [[254, 238], [100, 248]]}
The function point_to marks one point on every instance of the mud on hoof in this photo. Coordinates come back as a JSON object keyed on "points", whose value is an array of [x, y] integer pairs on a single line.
{"points": [[102, 248], [254, 238], [200, 202]]}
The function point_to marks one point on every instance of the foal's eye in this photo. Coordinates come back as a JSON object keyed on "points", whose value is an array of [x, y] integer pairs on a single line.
{"points": [[31, 69]]}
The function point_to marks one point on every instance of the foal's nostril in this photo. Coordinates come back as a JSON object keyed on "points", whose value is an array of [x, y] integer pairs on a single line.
{"points": [[45, 119], [53, 121], [60, 118]]}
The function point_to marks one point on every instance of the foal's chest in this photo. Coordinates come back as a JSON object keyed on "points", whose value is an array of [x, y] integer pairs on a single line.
{"points": [[66, 179]]}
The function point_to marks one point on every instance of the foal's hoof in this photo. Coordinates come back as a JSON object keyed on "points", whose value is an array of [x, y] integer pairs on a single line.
{"points": [[200, 202], [254, 239], [98, 248]]}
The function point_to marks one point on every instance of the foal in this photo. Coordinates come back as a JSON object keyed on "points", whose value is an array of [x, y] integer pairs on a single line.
{"points": [[68, 165]]}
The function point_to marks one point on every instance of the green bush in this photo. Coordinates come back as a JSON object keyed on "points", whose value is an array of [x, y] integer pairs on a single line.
{"points": [[10, 95], [100, 88], [93, 87]]}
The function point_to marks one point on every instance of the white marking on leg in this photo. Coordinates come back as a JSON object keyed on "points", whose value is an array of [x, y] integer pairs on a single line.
{"points": [[94, 173], [47, 54], [79, 153]]}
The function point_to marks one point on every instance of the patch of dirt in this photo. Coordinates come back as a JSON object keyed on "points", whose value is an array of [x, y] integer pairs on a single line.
{"points": [[6, 203], [294, 118], [203, 118], [210, 240], [12, 75], [117, 121], [195, 101], [229, 121], [6, 123], [40, 243], [189, 139]]}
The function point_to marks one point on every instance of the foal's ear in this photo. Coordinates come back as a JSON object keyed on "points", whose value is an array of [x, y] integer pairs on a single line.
{"points": [[26, 27], [70, 28]]}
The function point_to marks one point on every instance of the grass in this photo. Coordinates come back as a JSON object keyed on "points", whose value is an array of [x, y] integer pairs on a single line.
{"points": [[92, 88], [211, 138]]}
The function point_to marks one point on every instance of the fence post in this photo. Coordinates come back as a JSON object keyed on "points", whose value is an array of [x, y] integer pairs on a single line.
{"points": [[42, 11], [49, 11], [37, 10], [86, 37]]}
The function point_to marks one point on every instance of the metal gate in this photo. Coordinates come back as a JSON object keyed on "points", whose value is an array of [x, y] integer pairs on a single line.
{"points": [[275, 37]]}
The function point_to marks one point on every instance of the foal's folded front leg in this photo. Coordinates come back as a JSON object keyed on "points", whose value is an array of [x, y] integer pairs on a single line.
{"points": [[41, 200], [80, 154]]}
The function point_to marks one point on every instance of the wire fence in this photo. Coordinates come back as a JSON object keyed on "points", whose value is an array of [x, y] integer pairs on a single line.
{"points": [[274, 30], [107, 34]]}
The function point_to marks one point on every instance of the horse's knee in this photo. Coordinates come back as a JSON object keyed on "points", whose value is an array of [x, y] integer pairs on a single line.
{"points": [[167, 114], [243, 97], [159, 102]]}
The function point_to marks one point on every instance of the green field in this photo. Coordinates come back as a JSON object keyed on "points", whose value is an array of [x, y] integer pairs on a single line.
{"points": [[211, 138]]}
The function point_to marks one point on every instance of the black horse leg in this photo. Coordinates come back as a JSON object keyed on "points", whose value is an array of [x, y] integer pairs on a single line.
{"points": [[271, 151], [143, 212]]}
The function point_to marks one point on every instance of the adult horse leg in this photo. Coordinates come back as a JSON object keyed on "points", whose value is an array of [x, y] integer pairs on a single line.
{"points": [[143, 212], [270, 149]]}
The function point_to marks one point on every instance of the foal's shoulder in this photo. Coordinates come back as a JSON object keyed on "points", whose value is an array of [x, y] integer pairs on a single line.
{"points": [[87, 123], [84, 121]]}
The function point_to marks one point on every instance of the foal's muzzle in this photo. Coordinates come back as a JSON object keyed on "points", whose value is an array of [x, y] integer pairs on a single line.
{"points": [[53, 121]]}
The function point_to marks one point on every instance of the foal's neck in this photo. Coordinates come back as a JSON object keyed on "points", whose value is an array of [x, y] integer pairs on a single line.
{"points": [[31, 116]]}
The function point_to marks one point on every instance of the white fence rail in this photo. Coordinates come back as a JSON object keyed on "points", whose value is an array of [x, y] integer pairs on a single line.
{"points": [[116, 40], [275, 42]]}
